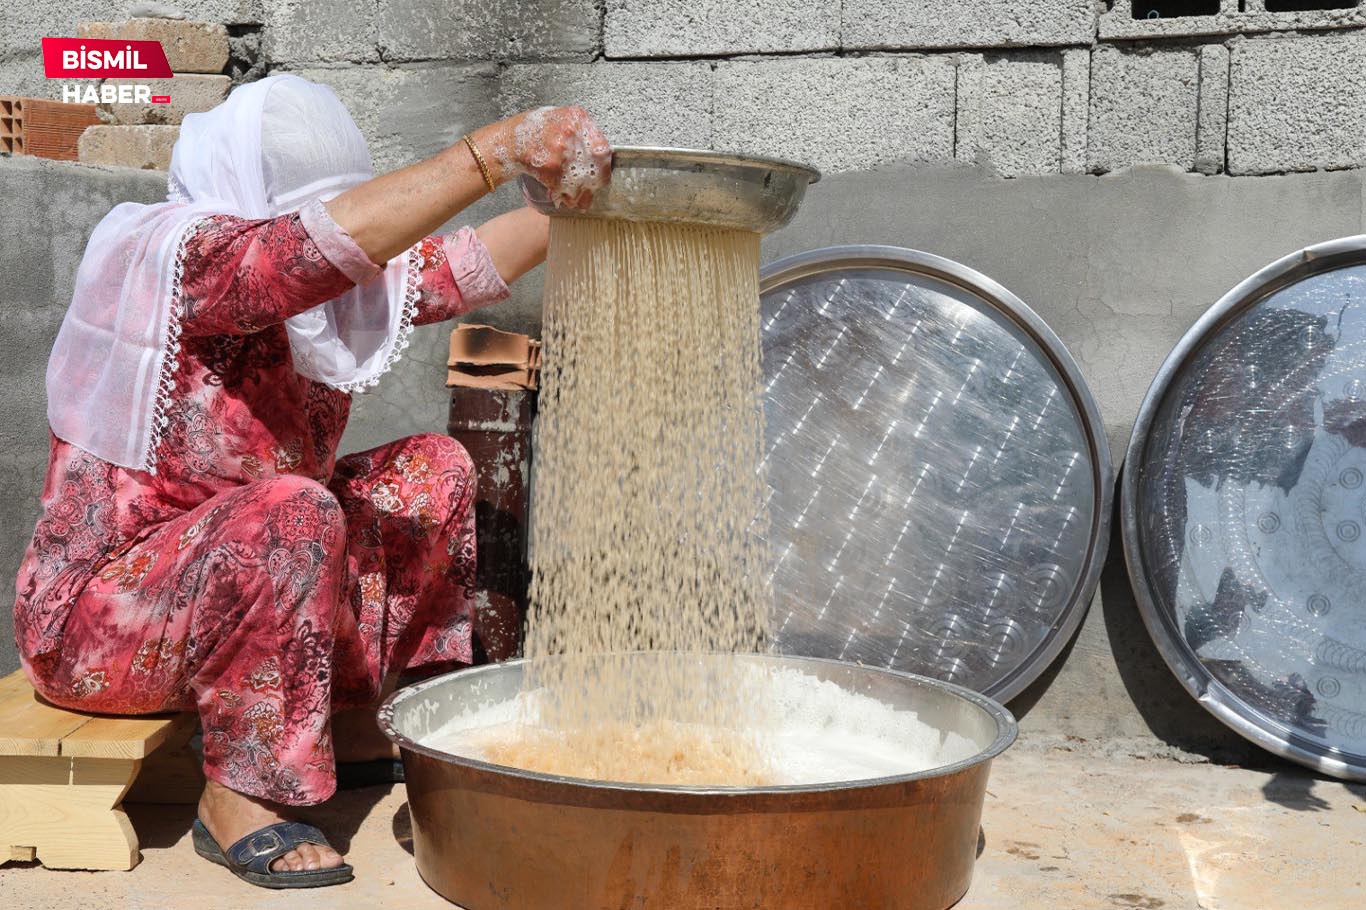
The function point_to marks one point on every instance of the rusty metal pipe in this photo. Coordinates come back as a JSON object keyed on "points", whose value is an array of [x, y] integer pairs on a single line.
{"points": [[494, 426]]}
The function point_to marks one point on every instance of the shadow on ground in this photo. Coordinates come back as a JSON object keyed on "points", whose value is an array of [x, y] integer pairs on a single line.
{"points": [[341, 817], [161, 827], [1172, 713], [403, 828]]}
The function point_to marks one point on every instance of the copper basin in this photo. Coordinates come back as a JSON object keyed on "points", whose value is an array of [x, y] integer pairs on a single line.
{"points": [[489, 837]]}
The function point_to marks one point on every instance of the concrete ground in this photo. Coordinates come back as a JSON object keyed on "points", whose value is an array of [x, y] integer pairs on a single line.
{"points": [[1062, 829]]}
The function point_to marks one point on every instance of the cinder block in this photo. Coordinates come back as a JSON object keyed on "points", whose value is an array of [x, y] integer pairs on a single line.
{"points": [[191, 47], [145, 147], [1143, 108], [339, 31], [839, 114], [691, 28], [1009, 114], [22, 75], [1297, 104], [634, 103], [487, 29], [1234, 18], [22, 23], [189, 93], [917, 24], [411, 112], [1211, 130], [1076, 103]]}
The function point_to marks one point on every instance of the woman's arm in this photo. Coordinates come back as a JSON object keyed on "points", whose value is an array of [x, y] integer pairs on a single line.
{"points": [[472, 268], [516, 241], [242, 275], [557, 146]]}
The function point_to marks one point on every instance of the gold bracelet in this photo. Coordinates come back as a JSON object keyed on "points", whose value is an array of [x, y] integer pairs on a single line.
{"points": [[483, 166]]}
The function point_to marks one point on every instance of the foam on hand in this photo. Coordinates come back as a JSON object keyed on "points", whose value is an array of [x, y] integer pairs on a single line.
{"points": [[579, 171]]}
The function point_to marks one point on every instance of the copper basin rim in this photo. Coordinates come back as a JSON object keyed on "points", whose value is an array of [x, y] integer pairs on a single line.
{"points": [[494, 838]]}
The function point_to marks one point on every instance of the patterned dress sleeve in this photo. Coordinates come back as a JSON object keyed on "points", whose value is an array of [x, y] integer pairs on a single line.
{"points": [[240, 275], [457, 275]]}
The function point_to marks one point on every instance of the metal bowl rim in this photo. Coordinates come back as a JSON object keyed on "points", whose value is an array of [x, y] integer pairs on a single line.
{"points": [[707, 156], [1232, 711], [1007, 730], [916, 262]]}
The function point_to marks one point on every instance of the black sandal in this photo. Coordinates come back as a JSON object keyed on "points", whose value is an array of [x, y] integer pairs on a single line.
{"points": [[249, 859], [353, 775]]}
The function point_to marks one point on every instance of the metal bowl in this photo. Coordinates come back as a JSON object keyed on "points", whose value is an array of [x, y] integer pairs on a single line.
{"points": [[689, 185], [489, 837]]}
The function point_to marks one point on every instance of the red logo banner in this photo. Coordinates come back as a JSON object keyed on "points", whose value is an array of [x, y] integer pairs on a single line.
{"points": [[103, 58]]}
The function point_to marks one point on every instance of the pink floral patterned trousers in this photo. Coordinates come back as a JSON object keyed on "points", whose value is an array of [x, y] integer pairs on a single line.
{"points": [[272, 605]]}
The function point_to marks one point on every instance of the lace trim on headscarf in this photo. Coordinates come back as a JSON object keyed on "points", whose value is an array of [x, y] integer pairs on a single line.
{"points": [[175, 192], [412, 290], [170, 346]]}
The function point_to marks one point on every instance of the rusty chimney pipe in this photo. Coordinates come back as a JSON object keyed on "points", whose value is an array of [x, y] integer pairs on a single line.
{"points": [[492, 377]]}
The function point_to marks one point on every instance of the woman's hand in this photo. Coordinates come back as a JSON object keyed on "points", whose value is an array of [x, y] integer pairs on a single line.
{"points": [[561, 147]]}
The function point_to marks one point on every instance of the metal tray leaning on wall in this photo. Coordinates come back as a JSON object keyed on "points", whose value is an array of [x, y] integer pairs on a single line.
{"points": [[941, 483], [1244, 500]]}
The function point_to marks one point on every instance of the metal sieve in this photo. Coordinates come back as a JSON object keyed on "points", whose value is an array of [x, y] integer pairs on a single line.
{"points": [[690, 185]]}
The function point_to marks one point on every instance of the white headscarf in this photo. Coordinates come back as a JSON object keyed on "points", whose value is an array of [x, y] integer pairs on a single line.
{"points": [[271, 147]]}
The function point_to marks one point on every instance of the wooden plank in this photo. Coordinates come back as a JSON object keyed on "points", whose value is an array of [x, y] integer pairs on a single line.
{"points": [[31, 727], [22, 854], [14, 684], [124, 737], [67, 810]]}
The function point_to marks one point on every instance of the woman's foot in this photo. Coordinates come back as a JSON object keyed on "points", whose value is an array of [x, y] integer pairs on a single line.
{"points": [[231, 816], [356, 737]]}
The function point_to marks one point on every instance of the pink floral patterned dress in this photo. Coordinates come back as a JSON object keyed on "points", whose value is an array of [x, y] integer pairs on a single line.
{"points": [[256, 577]]}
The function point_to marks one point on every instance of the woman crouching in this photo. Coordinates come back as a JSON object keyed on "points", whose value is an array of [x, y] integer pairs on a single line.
{"points": [[201, 546]]}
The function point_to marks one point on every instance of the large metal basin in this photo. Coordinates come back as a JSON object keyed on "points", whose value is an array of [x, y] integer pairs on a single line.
{"points": [[690, 185], [489, 837]]}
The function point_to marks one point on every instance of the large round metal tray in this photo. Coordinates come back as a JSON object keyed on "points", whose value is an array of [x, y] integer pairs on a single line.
{"points": [[940, 478], [694, 186], [1244, 505]]}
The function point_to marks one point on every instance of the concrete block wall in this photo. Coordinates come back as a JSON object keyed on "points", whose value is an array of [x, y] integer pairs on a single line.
{"points": [[23, 24], [1119, 265], [1012, 135], [1020, 87], [143, 134]]}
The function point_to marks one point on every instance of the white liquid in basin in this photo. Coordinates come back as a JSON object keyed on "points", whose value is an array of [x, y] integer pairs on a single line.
{"points": [[814, 732]]}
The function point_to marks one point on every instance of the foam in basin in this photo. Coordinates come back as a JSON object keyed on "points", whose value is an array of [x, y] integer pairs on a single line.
{"points": [[813, 732]]}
